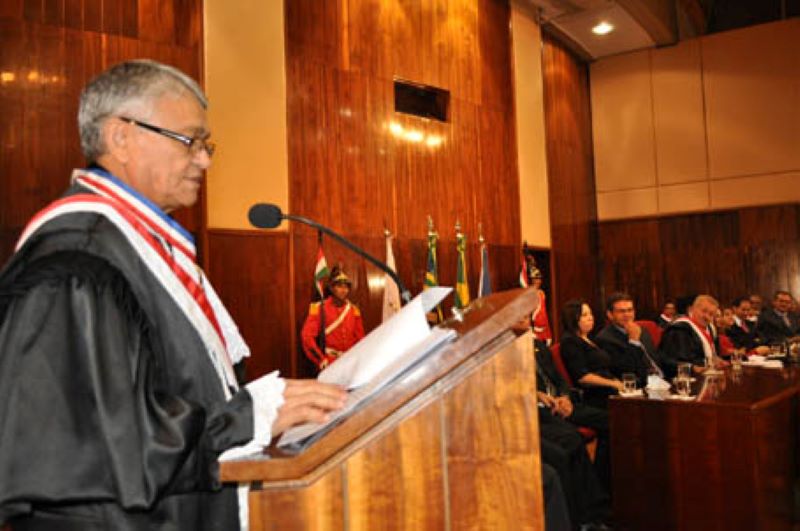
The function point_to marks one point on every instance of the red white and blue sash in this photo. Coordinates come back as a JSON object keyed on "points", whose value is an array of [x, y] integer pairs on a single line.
{"points": [[167, 250]]}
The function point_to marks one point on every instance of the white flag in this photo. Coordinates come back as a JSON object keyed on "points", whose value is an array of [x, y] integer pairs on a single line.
{"points": [[391, 294]]}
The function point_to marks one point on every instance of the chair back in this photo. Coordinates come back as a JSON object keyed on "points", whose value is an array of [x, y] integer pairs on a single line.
{"points": [[555, 350], [654, 329]]}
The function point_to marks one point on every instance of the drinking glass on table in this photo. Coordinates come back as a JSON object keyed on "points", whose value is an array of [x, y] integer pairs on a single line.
{"points": [[685, 370], [628, 383], [683, 386], [736, 359], [794, 351]]}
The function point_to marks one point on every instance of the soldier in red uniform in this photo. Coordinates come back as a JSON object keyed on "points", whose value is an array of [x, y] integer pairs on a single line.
{"points": [[541, 323], [342, 321]]}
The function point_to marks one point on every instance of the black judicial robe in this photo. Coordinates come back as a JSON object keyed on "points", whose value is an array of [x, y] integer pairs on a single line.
{"points": [[111, 413], [680, 344]]}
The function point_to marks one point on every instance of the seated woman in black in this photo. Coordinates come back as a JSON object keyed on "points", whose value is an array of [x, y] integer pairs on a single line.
{"points": [[588, 365]]}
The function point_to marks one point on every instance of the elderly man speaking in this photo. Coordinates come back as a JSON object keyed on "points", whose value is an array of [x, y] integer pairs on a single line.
{"points": [[117, 395]]}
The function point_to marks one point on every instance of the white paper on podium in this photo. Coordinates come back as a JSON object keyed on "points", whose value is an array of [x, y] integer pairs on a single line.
{"points": [[385, 344], [437, 339], [401, 342]]}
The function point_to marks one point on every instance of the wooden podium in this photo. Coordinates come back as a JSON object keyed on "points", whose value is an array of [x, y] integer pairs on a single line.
{"points": [[453, 444]]}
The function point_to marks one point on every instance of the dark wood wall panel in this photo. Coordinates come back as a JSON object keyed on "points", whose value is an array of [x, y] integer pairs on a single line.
{"points": [[727, 254], [248, 270], [49, 49], [573, 211]]}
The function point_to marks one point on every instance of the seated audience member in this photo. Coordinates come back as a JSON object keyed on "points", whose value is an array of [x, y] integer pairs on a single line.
{"points": [[777, 324], [756, 305], [556, 513], [742, 333], [668, 313], [554, 392], [723, 320], [588, 365], [630, 346], [688, 339], [587, 500]]}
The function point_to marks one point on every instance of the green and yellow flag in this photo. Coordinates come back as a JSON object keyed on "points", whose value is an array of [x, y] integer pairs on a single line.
{"points": [[462, 284], [432, 266]]}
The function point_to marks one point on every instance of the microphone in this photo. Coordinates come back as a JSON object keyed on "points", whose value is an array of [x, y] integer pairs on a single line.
{"points": [[265, 216], [269, 216]]}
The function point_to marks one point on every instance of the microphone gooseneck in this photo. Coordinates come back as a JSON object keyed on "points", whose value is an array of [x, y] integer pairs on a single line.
{"points": [[268, 216]]}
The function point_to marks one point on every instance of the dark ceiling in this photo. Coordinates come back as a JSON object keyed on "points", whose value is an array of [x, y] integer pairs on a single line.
{"points": [[723, 15]]}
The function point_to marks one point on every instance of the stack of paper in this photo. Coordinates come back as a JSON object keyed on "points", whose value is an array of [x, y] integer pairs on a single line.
{"points": [[386, 353]]}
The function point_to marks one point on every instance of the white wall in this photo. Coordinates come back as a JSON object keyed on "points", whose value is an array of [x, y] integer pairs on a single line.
{"points": [[528, 89], [246, 85], [710, 123]]}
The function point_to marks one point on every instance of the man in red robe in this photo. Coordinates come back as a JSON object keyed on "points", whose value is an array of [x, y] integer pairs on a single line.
{"points": [[341, 319]]}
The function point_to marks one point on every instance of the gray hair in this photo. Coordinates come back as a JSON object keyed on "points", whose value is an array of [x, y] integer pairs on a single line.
{"points": [[123, 88]]}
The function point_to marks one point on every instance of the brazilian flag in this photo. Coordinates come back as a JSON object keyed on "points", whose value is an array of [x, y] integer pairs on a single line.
{"points": [[431, 274], [462, 285]]}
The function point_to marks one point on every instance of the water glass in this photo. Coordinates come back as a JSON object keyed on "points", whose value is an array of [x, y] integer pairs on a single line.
{"points": [[685, 370], [683, 386], [736, 359], [628, 383], [794, 351]]}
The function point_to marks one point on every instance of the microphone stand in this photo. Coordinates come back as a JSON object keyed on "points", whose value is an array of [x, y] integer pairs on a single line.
{"points": [[404, 293]]}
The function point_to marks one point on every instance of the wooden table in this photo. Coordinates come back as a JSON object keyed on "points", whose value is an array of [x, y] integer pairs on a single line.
{"points": [[725, 461]]}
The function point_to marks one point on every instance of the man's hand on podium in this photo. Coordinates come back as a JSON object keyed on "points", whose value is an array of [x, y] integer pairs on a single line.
{"points": [[307, 401]]}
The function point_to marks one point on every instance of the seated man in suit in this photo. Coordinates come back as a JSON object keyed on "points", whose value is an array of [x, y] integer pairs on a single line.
{"points": [[630, 346], [562, 447], [688, 339], [556, 512], [777, 324], [742, 332], [756, 305]]}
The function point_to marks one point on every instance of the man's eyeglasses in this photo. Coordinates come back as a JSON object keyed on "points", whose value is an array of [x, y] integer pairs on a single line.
{"points": [[192, 143]]}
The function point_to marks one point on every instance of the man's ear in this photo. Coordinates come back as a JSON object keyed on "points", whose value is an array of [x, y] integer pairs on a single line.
{"points": [[117, 139]]}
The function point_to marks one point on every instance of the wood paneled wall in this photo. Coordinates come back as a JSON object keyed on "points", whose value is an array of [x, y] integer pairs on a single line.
{"points": [[248, 269], [727, 254], [348, 171], [573, 212], [48, 51]]}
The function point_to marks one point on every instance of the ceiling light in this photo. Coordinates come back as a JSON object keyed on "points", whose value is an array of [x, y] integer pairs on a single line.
{"points": [[603, 28]]}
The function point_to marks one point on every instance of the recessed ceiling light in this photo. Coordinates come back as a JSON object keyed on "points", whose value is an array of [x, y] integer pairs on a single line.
{"points": [[604, 28]]}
